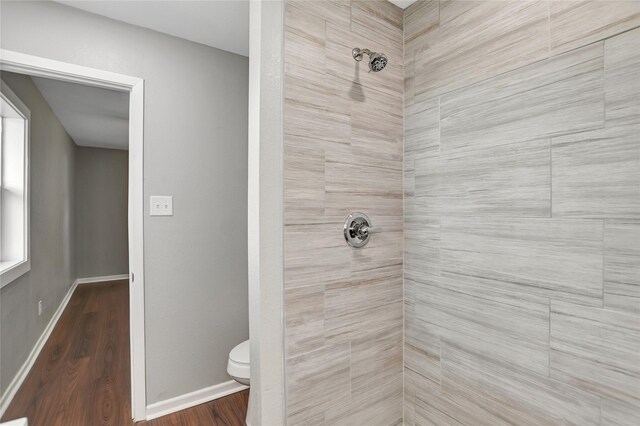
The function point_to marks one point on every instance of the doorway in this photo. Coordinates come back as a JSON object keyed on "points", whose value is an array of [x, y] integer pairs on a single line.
{"points": [[46, 68]]}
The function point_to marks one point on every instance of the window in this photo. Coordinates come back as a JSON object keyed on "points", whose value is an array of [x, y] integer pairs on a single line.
{"points": [[14, 187]]}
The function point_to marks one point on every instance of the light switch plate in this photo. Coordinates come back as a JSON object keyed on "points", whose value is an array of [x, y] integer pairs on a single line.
{"points": [[161, 205]]}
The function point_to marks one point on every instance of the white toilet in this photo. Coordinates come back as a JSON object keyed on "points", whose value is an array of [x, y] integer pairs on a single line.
{"points": [[238, 368]]}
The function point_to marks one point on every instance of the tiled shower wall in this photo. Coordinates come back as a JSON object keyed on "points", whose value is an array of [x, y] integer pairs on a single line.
{"points": [[522, 213], [343, 153]]}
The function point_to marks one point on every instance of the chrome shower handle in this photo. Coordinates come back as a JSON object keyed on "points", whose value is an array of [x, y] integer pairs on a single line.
{"points": [[364, 230], [358, 229]]}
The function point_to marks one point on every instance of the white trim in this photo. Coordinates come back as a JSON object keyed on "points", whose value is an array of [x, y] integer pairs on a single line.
{"points": [[266, 213], [49, 68], [90, 280], [136, 252], [15, 271], [188, 400], [17, 422], [23, 266], [31, 359]]}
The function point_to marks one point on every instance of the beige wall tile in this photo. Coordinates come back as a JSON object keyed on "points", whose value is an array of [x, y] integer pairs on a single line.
{"points": [[436, 408], [516, 395], [310, 112], [304, 314], [379, 21], [340, 204], [563, 94], [384, 251], [349, 176], [503, 326], [423, 363], [375, 363], [343, 152], [421, 25], [578, 23], [355, 187], [451, 9], [303, 184], [505, 180], [488, 39], [379, 156], [421, 245], [617, 413], [376, 126], [622, 266], [305, 244], [597, 174], [409, 81], [316, 382], [409, 398], [521, 191], [340, 63], [355, 309], [381, 406], [304, 41], [622, 78], [421, 128], [596, 350], [432, 407], [409, 296], [531, 256], [336, 11]]}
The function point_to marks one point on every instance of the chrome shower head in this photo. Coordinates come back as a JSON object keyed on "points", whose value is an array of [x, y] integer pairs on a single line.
{"points": [[377, 61]]}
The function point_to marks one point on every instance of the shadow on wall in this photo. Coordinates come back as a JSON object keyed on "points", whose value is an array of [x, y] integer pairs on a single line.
{"points": [[356, 93]]}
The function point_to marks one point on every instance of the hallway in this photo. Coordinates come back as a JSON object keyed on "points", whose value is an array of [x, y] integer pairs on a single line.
{"points": [[82, 375]]}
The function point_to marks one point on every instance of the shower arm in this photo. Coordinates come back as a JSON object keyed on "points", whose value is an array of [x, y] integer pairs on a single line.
{"points": [[358, 53]]}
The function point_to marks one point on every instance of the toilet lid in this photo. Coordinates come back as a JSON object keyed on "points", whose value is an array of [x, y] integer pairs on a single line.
{"points": [[240, 354]]}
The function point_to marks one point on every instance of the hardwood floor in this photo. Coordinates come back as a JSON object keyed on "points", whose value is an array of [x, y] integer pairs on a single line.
{"points": [[82, 375], [230, 410]]}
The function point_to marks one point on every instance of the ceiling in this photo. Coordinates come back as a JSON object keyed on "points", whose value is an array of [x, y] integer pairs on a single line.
{"points": [[403, 3], [98, 117], [223, 24], [92, 116]]}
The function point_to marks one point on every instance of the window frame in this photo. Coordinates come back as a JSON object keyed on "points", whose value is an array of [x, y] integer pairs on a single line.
{"points": [[15, 270]]}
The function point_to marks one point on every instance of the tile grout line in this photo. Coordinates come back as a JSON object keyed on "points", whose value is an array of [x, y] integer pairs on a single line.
{"points": [[604, 230], [550, 178], [548, 29], [404, 95], [439, 129], [604, 82], [549, 348]]}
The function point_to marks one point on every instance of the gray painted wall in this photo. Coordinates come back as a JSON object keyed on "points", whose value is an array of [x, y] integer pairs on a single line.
{"points": [[522, 211], [53, 261], [196, 150], [101, 212]]}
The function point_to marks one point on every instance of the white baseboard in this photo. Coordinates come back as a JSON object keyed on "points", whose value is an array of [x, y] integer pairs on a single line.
{"points": [[90, 280], [168, 406], [17, 381]]}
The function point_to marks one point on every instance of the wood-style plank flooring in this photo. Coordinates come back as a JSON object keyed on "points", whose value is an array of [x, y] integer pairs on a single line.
{"points": [[82, 375], [228, 411]]}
